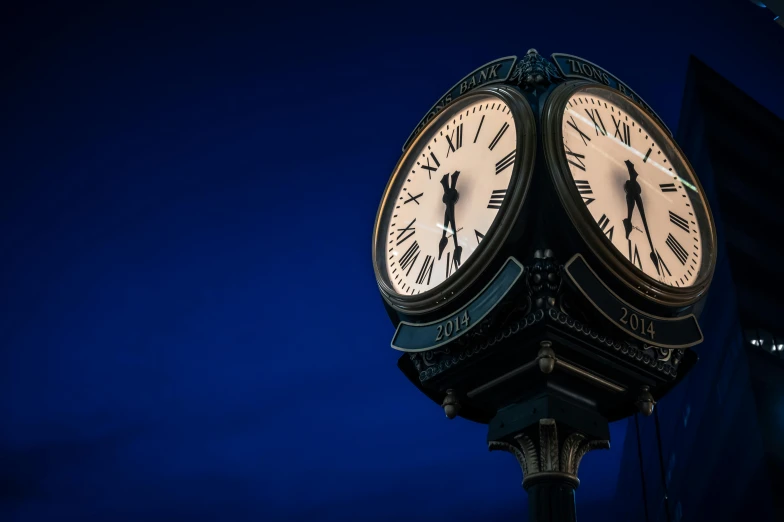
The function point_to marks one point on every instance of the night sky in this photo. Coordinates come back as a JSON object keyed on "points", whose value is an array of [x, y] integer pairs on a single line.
{"points": [[190, 327]]}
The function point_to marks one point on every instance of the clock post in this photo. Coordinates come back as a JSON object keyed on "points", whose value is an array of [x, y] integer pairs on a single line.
{"points": [[547, 322]]}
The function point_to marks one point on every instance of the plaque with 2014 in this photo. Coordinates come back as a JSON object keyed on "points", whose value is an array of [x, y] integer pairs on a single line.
{"points": [[663, 332]]}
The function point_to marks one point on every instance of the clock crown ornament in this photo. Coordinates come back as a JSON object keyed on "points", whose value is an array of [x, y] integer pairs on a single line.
{"points": [[535, 71]]}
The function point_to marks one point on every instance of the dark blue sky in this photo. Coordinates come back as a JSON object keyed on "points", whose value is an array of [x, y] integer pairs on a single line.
{"points": [[190, 326]]}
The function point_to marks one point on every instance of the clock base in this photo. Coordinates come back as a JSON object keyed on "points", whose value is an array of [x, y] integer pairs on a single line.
{"points": [[543, 337]]}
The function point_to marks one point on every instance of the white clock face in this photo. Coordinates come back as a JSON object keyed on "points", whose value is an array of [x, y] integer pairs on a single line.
{"points": [[631, 188], [453, 190]]}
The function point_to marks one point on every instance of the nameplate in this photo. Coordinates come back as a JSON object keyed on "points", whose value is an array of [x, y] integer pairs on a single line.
{"points": [[662, 332], [493, 72], [576, 67], [413, 337]]}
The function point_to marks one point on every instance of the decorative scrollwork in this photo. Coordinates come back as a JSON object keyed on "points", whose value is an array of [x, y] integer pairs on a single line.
{"points": [[548, 445], [511, 448], [545, 457], [545, 297], [544, 280], [529, 450], [569, 451], [584, 448]]}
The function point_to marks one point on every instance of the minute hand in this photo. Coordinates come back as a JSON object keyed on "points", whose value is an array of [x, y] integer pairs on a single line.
{"points": [[638, 200], [447, 218], [450, 198], [636, 193], [458, 249]]}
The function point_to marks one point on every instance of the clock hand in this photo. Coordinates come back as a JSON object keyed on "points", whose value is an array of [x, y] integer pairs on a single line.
{"points": [[634, 191], [458, 230], [631, 187], [444, 240], [449, 199], [627, 222], [648, 233], [458, 248]]}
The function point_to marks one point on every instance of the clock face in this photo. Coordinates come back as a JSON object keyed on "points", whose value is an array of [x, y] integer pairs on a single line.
{"points": [[447, 195], [632, 182]]}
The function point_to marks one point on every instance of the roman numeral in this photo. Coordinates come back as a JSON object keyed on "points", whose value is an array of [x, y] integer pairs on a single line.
{"points": [[496, 199], [409, 257], [583, 187], [505, 162], [622, 131], [634, 257], [579, 157], [448, 264], [677, 249], [603, 222], [499, 135], [479, 128], [668, 187], [597, 121], [428, 167], [409, 228], [426, 271], [647, 154], [679, 221], [479, 236], [583, 135], [413, 198], [453, 146]]}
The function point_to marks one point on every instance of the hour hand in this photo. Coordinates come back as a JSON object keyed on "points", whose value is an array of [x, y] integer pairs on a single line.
{"points": [[441, 246], [641, 209], [444, 240], [632, 189], [627, 222], [458, 249], [445, 182]]}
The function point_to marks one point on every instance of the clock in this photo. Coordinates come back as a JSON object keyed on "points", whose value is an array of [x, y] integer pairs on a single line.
{"points": [[630, 193], [453, 198]]}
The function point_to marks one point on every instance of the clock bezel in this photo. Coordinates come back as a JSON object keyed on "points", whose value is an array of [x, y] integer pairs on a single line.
{"points": [[623, 269], [497, 234]]}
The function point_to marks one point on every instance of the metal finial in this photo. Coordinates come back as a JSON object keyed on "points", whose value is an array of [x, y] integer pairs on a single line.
{"points": [[450, 404]]}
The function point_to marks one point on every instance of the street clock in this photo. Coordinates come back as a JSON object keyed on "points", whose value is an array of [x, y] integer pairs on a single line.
{"points": [[544, 249]]}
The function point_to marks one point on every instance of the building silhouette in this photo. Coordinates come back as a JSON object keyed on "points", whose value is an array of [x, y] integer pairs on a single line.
{"points": [[717, 452], [776, 7]]}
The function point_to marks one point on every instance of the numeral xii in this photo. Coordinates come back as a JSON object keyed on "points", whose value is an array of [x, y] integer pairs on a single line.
{"points": [[622, 131]]}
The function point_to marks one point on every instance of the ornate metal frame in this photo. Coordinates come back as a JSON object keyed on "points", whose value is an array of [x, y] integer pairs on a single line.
{"points": [[498, 233], [548, 456], [642, 284]]}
